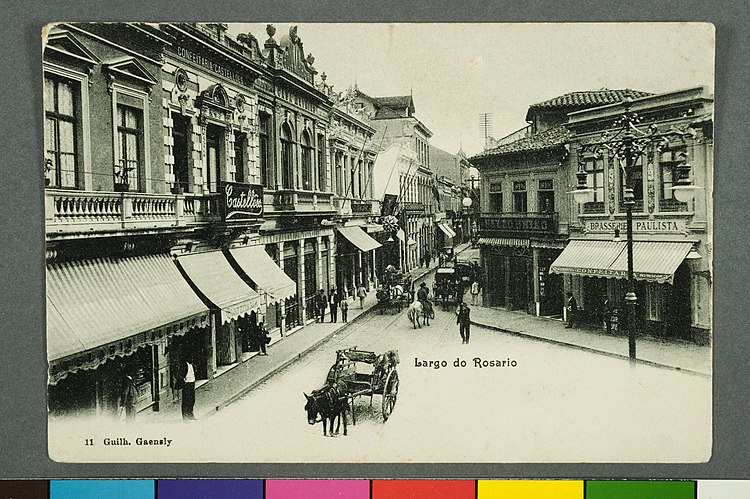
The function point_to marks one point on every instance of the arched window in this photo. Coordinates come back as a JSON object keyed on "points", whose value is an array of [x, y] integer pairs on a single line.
{"points": [[287, 157], [307, 162]]}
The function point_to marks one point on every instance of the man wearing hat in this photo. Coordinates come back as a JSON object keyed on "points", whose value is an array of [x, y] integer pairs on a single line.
{"points": [[423, 295]]}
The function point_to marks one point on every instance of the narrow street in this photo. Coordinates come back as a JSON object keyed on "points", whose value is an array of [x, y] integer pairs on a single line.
{"points": [[557, 404]]}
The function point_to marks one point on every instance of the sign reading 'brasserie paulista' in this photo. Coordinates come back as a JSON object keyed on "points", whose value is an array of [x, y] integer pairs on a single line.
{"points": [[674, 226], [242, 201]]}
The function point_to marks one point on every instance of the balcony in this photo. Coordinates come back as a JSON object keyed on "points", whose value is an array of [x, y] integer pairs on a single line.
{"points": [[528, 224], [72, 213], [299, 202], [414, 208]]}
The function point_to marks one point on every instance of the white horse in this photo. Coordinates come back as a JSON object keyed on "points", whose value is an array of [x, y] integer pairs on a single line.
{"points": [[414, 313]]}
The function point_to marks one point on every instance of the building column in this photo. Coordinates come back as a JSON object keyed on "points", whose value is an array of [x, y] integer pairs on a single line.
{"points": [[280, 249], [506, 283], [301, 280], [319, 263], [332, 261], [535, 273]]}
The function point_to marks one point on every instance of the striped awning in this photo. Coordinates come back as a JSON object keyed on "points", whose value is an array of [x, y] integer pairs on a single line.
{"points": [[103, 308], [359, 238], [447, 229], [653, 261], [503, 241], [261, 268], [219, 284]]}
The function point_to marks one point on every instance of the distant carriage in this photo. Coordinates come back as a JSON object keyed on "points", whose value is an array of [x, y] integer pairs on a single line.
{"points": [[366, 374], [452, 281]]}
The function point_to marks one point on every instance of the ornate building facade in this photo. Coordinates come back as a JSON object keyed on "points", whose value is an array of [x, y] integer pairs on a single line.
{"points": [[182, 162]]}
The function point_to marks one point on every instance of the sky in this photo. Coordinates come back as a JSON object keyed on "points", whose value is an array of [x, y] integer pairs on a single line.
{"points": [[456, 72]]}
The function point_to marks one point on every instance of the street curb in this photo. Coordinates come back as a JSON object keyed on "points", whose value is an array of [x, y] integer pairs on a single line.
{"points": [[286, 364], [590, 349]]}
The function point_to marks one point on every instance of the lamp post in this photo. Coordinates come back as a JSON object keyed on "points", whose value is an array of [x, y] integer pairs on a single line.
{"points": [[628, 143]]}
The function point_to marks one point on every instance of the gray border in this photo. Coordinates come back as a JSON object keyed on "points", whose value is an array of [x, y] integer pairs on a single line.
{"points": [[22, 369]]}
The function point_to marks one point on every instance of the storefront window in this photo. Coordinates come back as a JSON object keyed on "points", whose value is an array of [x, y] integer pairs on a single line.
{"points": [[239, 157], [595, 180], [287, 157], [636, 183], [60, 133], [668, 160], [307, 162], [322, 167], [214, 141], [546, 196], [496, 197], [519, 196], [264, 151], [128, 146]]}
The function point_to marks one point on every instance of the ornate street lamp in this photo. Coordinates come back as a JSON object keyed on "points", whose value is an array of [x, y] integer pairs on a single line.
{"points": [[628, 143]]}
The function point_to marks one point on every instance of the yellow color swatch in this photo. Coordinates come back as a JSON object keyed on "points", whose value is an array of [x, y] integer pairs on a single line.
{"points": [[530, 489]]}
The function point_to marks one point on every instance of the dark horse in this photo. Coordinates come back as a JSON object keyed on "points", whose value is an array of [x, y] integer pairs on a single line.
{"points": [[327, 404]]}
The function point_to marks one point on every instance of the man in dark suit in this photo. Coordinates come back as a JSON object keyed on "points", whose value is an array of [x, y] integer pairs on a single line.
{"points": [[333, 301], [463, 320], [572, 310]]}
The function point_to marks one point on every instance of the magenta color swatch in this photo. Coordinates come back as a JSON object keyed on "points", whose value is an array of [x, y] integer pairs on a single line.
{"points": [[317, 489]]}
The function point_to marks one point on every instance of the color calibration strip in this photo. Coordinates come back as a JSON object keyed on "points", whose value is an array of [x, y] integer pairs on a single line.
{"points": [[374, 489]]}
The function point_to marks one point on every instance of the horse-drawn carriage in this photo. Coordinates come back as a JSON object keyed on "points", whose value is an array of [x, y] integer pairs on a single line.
{"points": [[394, 291], [356, 373], [451, 281], [367, 374]]}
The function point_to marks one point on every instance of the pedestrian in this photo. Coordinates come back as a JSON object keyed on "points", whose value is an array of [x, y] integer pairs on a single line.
{"points": [[321, 305], [572, 310], [344, 308], [607, 315], [463, 320], [188, 391], [474, 291], [361, 294], [427, 257], [263, 338], [334, 299], [128, 398]]}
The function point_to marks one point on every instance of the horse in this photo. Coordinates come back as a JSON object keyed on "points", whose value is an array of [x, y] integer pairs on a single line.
{"points": [[415, 310], [327, 404]]}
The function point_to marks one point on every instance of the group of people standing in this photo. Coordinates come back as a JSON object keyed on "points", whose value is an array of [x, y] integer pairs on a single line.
{"points": [[334, 302]]}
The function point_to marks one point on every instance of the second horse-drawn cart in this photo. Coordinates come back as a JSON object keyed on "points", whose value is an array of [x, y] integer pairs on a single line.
{"points": [[367, 374]]}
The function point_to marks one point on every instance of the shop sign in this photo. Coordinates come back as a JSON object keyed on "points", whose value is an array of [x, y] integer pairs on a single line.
{"points": [[211, 65], [531, 223], [674, 226], [241, 201]]}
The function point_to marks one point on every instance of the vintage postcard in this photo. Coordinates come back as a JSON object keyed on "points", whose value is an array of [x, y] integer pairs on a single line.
{"points": [[367, 243]]}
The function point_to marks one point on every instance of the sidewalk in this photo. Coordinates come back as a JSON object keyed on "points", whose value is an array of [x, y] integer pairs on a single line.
{"points": [[672, 354], [236, 381]]}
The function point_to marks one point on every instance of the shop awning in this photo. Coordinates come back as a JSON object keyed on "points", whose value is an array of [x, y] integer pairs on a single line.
{"points": [[503, 241], [103, 308], [447, 230], [359, 238], [212, 275], [261, 268], [652, 261]]}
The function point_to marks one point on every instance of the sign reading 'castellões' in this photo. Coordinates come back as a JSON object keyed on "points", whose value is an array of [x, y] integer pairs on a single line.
{"points": [[242, 201], [652, 226]]}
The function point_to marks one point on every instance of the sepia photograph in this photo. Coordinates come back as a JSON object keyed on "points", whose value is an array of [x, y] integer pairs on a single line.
{"points": [[374, 243]]}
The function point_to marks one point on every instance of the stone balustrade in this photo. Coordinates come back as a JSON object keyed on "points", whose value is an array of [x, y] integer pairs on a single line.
{"points": [[69, 212]]}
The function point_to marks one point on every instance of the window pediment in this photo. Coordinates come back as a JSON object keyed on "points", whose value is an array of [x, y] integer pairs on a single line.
{"points": [[129, 68], [61, 43]]}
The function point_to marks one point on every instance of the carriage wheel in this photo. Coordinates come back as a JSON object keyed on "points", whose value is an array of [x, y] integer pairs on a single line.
{"points": [[390, 391]]}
